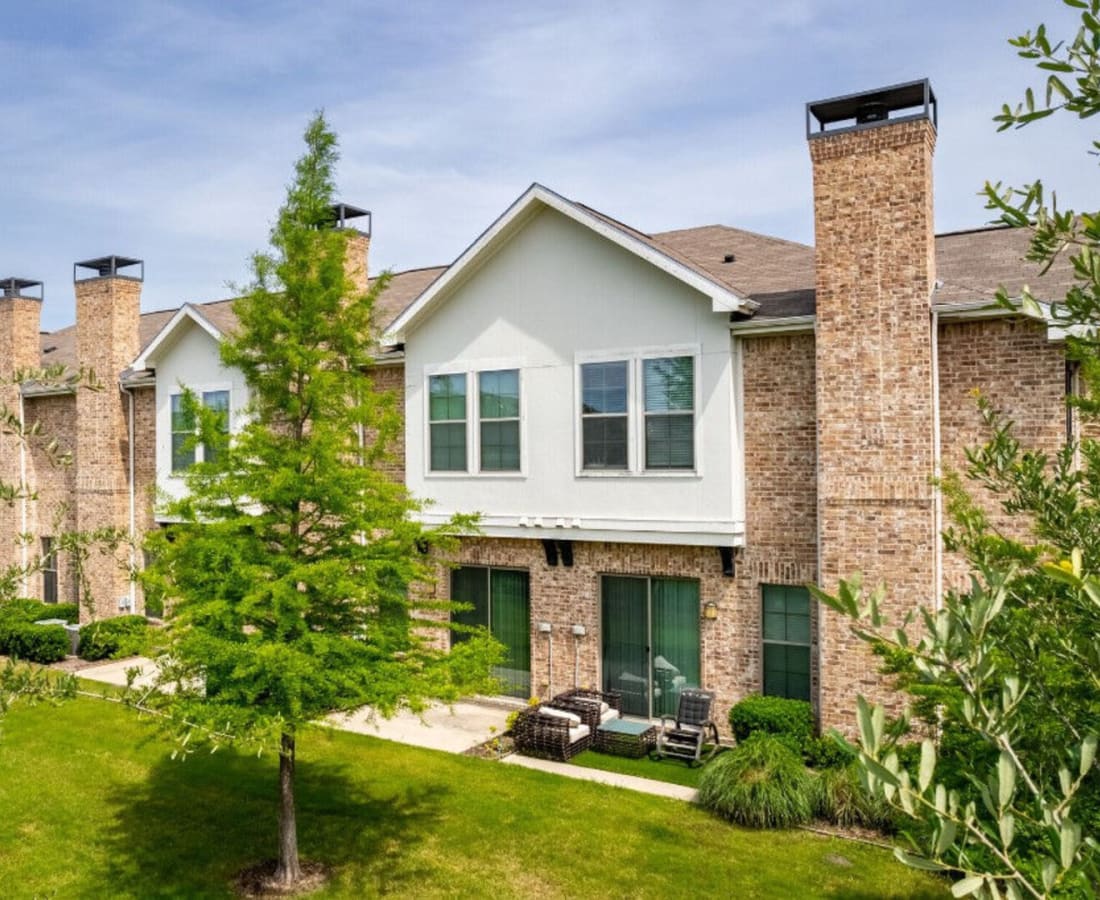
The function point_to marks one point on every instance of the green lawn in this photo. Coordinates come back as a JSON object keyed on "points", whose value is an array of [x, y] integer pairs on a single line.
{"points": [[674, 771], [92, 806]]}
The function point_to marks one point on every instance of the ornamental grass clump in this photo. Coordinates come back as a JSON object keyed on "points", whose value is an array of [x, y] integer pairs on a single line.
{"points": [[841, 798], [760, 783]]}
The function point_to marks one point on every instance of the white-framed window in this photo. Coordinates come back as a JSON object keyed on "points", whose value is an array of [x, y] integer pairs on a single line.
{"points": [[637, 412], [475, 422], [184, 452]]}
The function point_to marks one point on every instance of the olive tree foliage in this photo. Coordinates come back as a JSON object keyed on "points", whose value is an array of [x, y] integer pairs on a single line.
{"points": [[1004, 793], [290, 570]]}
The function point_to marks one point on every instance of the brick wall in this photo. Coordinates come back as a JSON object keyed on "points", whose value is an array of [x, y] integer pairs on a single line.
{"points": [[1022, 373], [391, 379], [874, 275]]}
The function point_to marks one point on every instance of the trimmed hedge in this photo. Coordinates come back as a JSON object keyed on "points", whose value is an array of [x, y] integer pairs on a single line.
{"points": [[33, 643], [827, 753], [32, 610], [120, 636], [791, 719], [760, 783]]}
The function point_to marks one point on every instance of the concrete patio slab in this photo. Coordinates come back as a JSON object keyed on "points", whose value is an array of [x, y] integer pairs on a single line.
{"points": [[615, 779], [454, 729], [114, 671]]}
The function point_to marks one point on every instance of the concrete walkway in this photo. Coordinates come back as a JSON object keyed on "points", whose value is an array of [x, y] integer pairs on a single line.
{"points": [[452, 729], [615, 779]]}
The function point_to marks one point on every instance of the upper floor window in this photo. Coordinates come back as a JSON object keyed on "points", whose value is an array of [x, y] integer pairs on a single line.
{"points": [[185, 452], [495, 443], [669, 412], [648, 402], [447, 418], [498, 409], [604, 414]]}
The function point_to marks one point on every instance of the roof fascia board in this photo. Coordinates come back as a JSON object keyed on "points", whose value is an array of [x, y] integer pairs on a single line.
{"points": [[788, 325], [722, 299], [187, 311]]}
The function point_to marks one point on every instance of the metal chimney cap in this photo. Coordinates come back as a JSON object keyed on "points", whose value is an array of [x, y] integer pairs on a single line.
{"points": [[14, 287], [853, 109], [108, 267], [342, 212]]}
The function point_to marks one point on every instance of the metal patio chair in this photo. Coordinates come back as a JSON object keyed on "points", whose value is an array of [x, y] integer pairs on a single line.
{"points": [[685, 734]]}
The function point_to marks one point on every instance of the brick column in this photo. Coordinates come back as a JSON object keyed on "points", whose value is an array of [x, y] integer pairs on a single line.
{"points": [[20, 317], [875, 273], [107, 315]]}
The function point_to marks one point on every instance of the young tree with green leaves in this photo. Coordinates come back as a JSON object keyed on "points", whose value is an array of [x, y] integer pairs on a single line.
{"points": [[291, 570], [1007, 673]]}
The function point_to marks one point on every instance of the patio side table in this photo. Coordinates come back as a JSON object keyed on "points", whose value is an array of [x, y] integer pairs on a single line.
{"points": [[624, 738]]}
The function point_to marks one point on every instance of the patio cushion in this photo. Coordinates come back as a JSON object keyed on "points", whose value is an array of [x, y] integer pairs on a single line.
{"points": [[578, 732], [573, 718]]}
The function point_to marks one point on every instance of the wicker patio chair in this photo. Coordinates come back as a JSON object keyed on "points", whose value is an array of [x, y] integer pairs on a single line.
{"points": [[684, 735], [550, 733], [594, 707]]}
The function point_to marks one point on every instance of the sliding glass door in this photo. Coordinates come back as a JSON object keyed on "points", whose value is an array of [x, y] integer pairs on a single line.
{"points": [[650, 641], [500, 600]]}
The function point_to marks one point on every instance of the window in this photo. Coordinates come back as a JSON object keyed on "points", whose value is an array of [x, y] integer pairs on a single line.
{"points": [[218, 401], [786, 641], [646, 401], [184, 449], [49, 571], [447, 417], [501, 602], [183, 432], [604, 416], [669, 412], [498, 409]]}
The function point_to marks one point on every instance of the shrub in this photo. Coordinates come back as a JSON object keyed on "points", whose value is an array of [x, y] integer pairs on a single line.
{"points": [[773, 715], [826, 753], [121, 636], [33, 643], [841, 798], [26, 610], [760, 783]]}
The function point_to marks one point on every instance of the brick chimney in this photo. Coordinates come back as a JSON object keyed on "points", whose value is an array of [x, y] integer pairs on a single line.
{"points": [[358, 242], [875, 271], [20, 318], [108, 302]]}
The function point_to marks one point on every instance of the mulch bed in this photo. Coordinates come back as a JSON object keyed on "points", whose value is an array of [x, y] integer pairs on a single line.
{"points": [[259, 881], [494, 748]]}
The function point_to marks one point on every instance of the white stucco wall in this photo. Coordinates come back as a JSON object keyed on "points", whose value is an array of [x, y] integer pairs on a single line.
{"points": [[190, 358], [554, 296]]}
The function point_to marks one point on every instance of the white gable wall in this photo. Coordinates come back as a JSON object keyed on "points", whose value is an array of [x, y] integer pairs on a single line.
{"points": [[191, 359], [555, 295]]}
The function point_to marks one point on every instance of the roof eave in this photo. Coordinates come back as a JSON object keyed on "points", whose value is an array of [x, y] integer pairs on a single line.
{"points": [[722, 298]]}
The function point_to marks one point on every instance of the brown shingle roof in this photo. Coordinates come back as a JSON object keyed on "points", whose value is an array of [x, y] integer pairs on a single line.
{"points": [[59, 347]]}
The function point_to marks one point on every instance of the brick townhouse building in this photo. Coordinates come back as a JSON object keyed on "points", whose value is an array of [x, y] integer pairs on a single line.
{"points": [[666, 436]]}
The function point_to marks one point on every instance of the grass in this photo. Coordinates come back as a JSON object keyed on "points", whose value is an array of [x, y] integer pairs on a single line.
{"points": [[93, 806], [674, 771]]}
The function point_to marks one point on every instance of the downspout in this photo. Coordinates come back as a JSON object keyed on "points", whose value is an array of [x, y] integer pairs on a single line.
{"points": [[937, 468], [132, 490], [23, 499]]}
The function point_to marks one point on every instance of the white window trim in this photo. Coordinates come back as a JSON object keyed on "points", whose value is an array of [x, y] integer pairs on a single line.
{"points": [[473, 372], [198, 390], [635, 394]]}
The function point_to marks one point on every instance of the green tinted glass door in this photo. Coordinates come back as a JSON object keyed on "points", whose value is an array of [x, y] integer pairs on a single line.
{"points": [[510, 617], [625, 645], [674, 623]]}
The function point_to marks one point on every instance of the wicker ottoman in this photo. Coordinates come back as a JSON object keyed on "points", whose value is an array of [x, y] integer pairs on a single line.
{"points": [[623, 738]]}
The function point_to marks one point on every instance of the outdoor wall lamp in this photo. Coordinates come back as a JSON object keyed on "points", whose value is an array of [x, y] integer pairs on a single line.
{"points": [[710, 610]]}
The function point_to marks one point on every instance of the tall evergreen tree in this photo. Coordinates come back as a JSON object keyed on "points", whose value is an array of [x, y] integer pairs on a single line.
{"points": [[289, 571]]}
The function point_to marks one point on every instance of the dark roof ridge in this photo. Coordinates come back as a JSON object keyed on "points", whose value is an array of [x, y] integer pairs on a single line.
{"points": [[977, 229]]}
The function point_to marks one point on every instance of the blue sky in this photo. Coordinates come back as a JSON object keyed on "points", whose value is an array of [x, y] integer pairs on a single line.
{"points": [[167, 131]]}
